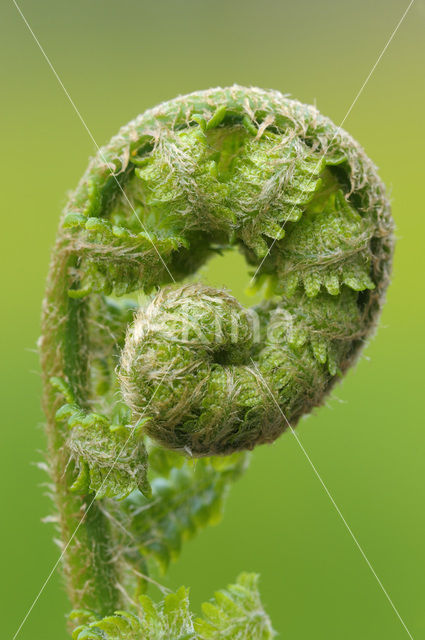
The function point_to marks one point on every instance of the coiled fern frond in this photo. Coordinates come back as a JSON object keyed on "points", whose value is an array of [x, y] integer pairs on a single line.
{"points": [[151, 407]]}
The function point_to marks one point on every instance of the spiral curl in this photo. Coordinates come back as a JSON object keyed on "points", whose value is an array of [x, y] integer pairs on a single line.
{"points": [[220, 169]]}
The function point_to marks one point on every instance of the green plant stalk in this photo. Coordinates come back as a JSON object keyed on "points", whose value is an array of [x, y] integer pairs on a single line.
{"points": [[89, 570]]}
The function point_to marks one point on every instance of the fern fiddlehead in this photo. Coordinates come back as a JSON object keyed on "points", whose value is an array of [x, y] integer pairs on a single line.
{"points": [[150, 410]]}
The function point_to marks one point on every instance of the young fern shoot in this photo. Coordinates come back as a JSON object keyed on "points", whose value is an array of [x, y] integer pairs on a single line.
{"points": [[151, 410]]}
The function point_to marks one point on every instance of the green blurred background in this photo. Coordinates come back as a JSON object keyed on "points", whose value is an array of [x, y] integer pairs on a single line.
{"points": [[116, 59]]}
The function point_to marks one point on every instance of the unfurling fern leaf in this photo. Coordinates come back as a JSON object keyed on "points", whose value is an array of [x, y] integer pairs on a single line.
{"points": [[236, 614], [188, 499], [111, 458], [151, 408]]}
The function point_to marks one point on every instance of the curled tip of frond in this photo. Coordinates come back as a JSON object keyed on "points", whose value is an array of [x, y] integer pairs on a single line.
{"points": [[233, 168], [187, 362], [252, 169]]}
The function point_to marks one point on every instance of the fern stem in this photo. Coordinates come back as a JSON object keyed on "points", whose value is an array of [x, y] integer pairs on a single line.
{"points": [[90, 574]]}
